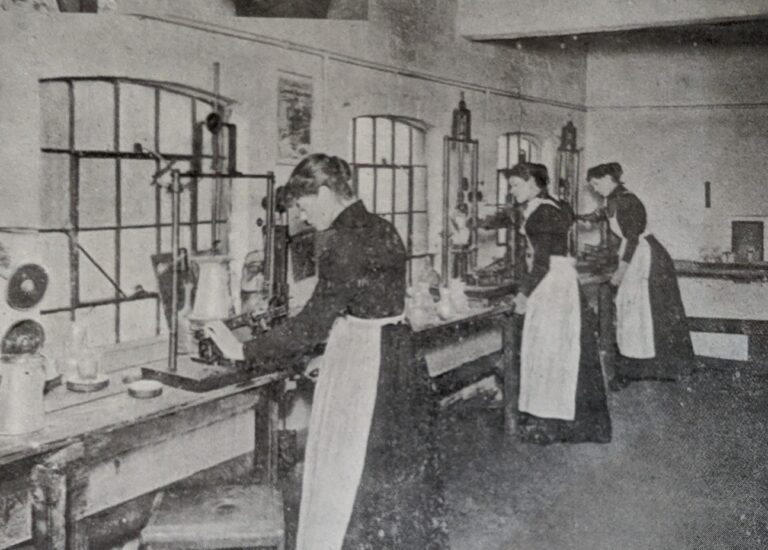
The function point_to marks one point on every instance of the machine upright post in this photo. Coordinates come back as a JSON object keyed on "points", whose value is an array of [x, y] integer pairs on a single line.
{"points": [[173, 342]]}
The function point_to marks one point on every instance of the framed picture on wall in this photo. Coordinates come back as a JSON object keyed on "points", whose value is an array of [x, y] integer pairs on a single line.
{"points": [[294, 117]]}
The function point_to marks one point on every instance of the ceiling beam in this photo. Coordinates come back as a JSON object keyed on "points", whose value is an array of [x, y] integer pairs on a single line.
{"points": [[511, 19]]}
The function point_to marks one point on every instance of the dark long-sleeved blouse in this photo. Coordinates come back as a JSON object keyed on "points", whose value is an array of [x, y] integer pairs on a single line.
{"points": [[547, 232], [630, 215], [361, 272]]}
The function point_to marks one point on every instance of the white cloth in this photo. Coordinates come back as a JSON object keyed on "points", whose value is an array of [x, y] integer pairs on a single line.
{"points": [[634, 320], [339, 424], [551, 344]]}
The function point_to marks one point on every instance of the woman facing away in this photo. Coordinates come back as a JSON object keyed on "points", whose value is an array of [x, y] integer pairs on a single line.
{"points": [[370, 472], [652, 331], [562, 391]]}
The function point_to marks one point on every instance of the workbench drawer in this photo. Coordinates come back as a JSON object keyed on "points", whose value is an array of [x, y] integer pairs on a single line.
{"points": [[141, 470]]}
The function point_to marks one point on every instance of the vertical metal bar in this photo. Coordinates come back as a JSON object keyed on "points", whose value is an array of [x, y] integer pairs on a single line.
{"points": [[118, 207], [74, 203], [158, 203], [577, 168], [476, 205], [269, 244], [175, 227], [409, 241], [217, 147], [374, 163], [394, 174], [446, 178], [196, 165]]}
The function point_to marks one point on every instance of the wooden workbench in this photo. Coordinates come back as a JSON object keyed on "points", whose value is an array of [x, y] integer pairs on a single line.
{"points": [[461, 351], [102, 450]]}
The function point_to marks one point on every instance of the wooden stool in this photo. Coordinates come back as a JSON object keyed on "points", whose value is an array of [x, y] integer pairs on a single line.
{"points": [[234, 516]]}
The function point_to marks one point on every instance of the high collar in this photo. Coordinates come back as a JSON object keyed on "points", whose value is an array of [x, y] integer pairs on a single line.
{"points": [[352, 216], [618, 191]]}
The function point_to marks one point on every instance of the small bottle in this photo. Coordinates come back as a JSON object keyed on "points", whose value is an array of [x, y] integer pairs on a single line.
{"points": [[462, 121]]}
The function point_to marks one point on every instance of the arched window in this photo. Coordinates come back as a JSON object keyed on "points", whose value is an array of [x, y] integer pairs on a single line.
{"points": [[390, 173], [102, 218], [513, 147]]}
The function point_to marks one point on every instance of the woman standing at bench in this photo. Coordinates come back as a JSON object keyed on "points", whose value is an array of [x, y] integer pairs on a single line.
{"points": [[369, 470], [562, 391], [651, 326]]}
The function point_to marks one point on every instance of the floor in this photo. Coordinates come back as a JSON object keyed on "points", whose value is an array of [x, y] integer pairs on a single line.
{"points": [[686, 470]]}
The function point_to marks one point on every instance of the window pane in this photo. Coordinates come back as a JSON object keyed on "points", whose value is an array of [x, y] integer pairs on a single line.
{"points": [[383, 190], [402, 143], [419, 155], [55, 173], [138, 195], [184, 233], [363, 129], [365, 186], [97, 192], [401, 224], [502, 191], [100, 324], [175, 123], [502, 147], [401, 191], [101, 247], [136, 249], [137, 320], [54, 123], [94, 116], [420, 236], [205, 189], [203, 237], [56, 263], [419, 189], [383, 141], [137, 116]]}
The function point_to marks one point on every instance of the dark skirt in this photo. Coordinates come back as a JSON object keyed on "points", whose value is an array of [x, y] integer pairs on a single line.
{"points": [[592, 422], [399, 502], [671, 335]]}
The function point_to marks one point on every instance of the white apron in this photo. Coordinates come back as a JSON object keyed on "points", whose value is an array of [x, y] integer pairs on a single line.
{"points": [[634, 321], [339, 424], [551, 343]]}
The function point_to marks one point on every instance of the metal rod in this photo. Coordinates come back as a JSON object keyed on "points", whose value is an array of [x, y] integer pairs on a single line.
{"points": [[87, 304], [217, 146], [118, 206], [269, 237], [101, 269], [175, 230], [446, 205]]}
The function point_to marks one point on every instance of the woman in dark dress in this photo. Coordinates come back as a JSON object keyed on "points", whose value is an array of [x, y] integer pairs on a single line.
{"points": [[651, 326], [562, 391], [370, 474]]}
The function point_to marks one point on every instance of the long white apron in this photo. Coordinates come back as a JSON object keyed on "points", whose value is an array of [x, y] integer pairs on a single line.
{"points": [[634, 321], [339, 424], [551, 343]]}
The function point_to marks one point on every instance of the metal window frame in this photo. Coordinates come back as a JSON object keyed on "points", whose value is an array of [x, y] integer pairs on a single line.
{"points": [[532, 140], [379, 169], [76, 155]]}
